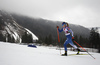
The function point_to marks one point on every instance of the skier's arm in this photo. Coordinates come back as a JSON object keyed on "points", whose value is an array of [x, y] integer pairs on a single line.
{"points": [[71, 32], [60, 30]]}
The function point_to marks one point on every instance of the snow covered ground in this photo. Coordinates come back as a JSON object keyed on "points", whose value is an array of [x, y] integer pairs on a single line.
{"points": [[15, 54]]}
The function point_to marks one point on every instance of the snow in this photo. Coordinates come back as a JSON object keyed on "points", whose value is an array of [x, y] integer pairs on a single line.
{"points": [[7, 30], [33, 35], [16, 35], [15, 54], [13, 33]]}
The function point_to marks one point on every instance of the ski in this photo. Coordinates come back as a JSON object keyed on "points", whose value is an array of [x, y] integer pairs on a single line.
{"points": [[74, 54]]}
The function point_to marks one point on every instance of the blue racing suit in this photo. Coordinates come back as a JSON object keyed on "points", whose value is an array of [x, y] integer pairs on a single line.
{"points": [[69, 34]]}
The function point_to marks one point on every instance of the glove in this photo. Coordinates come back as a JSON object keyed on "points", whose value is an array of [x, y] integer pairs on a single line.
{"points": [[57, 26], [72, 38]]}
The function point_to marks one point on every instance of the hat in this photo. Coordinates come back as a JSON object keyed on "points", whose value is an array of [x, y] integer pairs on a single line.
{"points": [[63, 23]]}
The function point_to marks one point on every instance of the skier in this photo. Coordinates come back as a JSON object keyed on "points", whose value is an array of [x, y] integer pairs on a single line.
{"points": [[70, 37]]}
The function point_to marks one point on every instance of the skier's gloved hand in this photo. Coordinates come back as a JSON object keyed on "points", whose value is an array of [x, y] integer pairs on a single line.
{"points": [[57, 26], [73, 38]]}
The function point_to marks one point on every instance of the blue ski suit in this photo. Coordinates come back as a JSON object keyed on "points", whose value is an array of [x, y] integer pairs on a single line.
{"points": [[69, 35]]}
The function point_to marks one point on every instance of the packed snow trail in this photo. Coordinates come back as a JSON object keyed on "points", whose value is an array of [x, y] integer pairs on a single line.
{"points": [[15, 54]]}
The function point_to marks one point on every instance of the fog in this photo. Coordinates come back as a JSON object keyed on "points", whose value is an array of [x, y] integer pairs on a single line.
{"points": [[80, 12]]}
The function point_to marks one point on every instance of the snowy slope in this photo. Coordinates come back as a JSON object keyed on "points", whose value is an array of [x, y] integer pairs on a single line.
{"points": [[33, 35], [15, 54], [10, 31]]}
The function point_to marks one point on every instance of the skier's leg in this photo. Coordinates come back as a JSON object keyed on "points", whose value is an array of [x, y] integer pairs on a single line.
{"points": [[65, 44], [65, 47], [72, 44]]}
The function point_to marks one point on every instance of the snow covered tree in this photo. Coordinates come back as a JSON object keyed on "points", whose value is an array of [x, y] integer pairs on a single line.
{"points": [[27, 38]]}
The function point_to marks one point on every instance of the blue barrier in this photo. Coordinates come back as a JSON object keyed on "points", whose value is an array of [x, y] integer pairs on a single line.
{"points": [[32, 46]]}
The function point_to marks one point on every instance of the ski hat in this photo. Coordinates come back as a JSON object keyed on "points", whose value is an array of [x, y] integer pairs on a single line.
{"points": [[63, 23]]}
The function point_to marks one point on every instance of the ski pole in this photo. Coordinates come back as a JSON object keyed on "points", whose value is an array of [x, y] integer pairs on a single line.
{"points": [[58, 40], [80, 45], [58, 35], [84, 49]]}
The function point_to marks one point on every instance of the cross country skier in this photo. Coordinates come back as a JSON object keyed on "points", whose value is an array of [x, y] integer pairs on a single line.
{"points": [[70, 37]]}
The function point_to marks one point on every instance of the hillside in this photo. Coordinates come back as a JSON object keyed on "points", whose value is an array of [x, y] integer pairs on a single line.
{"points": [[43, 28], [10, 31], [15, 54]]}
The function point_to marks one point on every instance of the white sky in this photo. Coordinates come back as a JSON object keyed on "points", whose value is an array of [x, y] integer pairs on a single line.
{"points": [[80, 12]]}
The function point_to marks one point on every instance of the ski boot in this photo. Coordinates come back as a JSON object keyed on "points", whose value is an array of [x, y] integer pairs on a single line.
{"points": [[78, 51], [65, 54]]}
